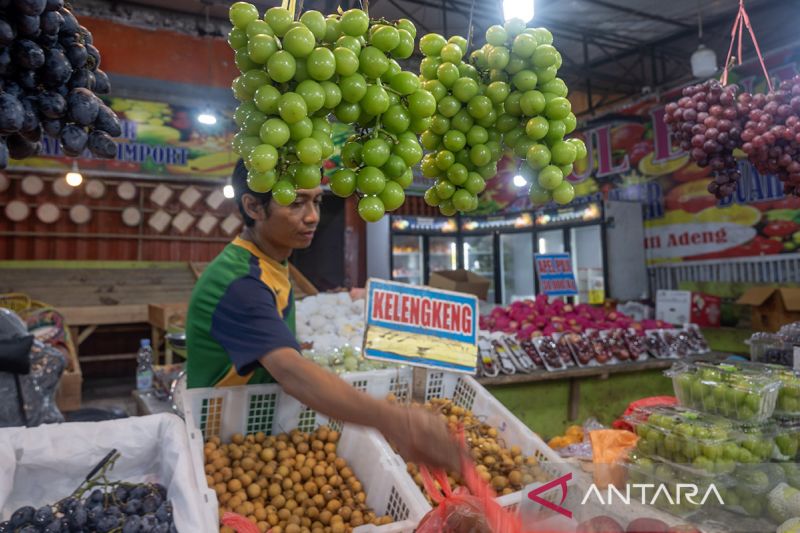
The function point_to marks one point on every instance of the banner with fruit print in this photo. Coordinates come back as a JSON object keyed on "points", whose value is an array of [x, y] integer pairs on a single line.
{"points": [[631, 157], [165, 141]]}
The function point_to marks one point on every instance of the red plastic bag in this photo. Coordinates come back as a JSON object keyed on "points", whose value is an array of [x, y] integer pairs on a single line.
{"points": [[468, 509], [652, 401], [239, 523]]}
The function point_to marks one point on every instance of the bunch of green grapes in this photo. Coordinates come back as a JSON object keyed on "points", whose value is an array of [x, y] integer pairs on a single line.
{"points": [[296, 73], [537, 115], [462, 143]]}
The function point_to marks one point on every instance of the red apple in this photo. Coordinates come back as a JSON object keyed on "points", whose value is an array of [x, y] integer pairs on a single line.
{"points": [[600, 524], [647, 525]]}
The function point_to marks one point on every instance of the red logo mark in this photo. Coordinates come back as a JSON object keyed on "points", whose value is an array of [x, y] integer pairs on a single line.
{"points": [[560, 482]]}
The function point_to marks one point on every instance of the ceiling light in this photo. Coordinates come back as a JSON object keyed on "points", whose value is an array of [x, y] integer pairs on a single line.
{"points": [[520, 181], [520, 9], [74, 178], [227, 191], [704, 62], [207, 117]]}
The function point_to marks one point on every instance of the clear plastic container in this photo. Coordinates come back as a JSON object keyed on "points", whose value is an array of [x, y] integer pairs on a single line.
{"points": [[787, 440], [744, 394], [704, 444], [770, 348]]}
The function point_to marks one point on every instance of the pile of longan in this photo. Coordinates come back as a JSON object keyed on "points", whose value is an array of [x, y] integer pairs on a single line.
{"points": [[288, 483], [507, 470]]}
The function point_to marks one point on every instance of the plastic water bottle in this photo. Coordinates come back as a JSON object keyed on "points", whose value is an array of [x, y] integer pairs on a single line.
{"points": [[144, 366]]}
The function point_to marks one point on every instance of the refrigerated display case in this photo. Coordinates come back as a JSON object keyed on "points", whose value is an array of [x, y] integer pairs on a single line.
{"points": [[421, 245], [500, 249]]}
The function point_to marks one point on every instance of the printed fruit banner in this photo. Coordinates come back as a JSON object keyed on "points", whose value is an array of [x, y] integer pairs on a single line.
{"points": [[632, 158], [162, 140]]}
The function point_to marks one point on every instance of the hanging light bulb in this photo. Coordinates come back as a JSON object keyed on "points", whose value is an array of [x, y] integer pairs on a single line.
{"points": [[519, 9], [227, 191], [74, 178], [704, 60]]}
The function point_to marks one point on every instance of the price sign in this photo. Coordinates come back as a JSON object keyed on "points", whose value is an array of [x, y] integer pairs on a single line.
{"points": [[556, 277], [420, 326]]}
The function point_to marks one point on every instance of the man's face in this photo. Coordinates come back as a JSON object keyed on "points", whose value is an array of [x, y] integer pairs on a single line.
{"points": [[291, 226]]}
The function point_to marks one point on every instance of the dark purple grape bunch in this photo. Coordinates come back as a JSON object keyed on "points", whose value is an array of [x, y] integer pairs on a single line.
{"points": [[50, 77], [772, 134], [707, 122], [125, 508]]}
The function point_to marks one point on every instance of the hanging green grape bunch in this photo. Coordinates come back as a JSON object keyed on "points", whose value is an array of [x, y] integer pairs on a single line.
{"points": [[462, 143], [295, 73], [537, 114]]}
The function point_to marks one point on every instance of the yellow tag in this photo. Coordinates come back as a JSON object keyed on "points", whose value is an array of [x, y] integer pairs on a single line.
{"points": [[596, 296]]}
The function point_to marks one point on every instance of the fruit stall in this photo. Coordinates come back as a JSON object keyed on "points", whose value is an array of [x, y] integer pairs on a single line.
{"points": [[587, 269]]}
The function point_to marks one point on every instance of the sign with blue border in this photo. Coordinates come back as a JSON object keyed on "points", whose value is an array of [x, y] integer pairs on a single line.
{"points": [[556, 277], [420, 326]]}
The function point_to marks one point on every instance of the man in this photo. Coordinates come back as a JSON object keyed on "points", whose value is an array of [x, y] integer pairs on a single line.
{"points": [[241, 320]]}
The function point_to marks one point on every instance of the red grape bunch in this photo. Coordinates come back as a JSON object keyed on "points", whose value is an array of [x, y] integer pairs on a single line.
{"points": [[295, 73], [707, 121], [522, 68], [50, 78], [463, 145], [771, 135]]}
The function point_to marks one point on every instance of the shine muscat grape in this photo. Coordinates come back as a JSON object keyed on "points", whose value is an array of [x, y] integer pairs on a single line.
{"points": [[50, 74], [462, 142], [294, 74], [522, 66]]}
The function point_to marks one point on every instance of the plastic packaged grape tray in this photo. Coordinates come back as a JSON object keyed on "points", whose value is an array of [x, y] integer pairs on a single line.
{"points": [[582, 350], [266, 408], [747, 395], [648, 471], [706, 444], [788, 403]]}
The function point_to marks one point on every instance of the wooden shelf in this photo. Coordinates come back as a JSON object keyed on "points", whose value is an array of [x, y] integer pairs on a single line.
{"points": [[586, 372]]}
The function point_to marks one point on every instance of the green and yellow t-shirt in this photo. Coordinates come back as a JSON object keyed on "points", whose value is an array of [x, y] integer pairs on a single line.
{"points": [[241, 308]]}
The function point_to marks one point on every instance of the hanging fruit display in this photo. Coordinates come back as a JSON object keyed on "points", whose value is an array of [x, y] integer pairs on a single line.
{"points": [[50, 73], [295, 73]]}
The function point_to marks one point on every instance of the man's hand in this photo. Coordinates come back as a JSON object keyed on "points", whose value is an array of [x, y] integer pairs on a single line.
{"points": [[422, 437], [419, 435]]}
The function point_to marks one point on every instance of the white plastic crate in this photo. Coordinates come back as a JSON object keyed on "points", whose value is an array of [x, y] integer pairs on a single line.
{"points": [[253, 408], [45, 464], [465, 392]]}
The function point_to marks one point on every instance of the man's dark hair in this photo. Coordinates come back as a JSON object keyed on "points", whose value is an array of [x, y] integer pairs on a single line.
{"points": [[239, 182]]}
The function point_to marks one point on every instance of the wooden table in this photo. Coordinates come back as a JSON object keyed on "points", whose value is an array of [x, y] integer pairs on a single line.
{"points": [[575, 374], [158, 316]]}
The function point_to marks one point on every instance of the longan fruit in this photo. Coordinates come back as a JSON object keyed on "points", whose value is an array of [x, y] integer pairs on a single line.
{"points": [[329, 447], [319, 500], [325, 517], [218, 477], [226, 529], [276, 529], [241, 509], [296, 477], [263, 527], [220, 489], [246, 480], [209, 469], [283, 471], [236, 453], [234, 485], [224, 498], [338, 527], [291, 505], [287, 484], [311, 488], [273, 519], [334, 506], [253, 490], [317, 445], [303, 447], [345, 512], [346, 472], [278, 501], [361, 497], [319, 455], [284, 514], [267, 454], [293, 528], [333, 436], [312, 513], [238, 472]]}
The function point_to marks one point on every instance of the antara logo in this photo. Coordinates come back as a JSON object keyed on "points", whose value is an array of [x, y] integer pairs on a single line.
{"points": [[647, 493], [684, 492]]}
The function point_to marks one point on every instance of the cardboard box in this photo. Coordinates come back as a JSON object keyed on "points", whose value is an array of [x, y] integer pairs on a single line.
{"points": [[460, 281], [68, 394], [771, 308]]}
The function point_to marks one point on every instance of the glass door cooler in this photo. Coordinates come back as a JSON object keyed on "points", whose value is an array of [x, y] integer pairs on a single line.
{"points": [[500, 249], [421, 245]]}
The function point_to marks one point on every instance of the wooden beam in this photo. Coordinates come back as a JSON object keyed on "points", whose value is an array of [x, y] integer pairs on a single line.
{"points": [[98, 315]]}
